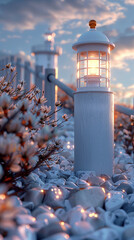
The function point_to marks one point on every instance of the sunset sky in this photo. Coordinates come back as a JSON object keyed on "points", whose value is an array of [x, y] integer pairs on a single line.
{"points": [[23, 22]]}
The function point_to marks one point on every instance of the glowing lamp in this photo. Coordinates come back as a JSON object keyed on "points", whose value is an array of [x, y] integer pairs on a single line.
{"points": [[93, 58], [93, 103]]}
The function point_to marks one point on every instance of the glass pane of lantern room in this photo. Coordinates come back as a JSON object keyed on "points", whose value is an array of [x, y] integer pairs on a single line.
{"points": [[103, 64], [83, 55], [83, 64], [93, 67], [103, 55], [93, 55]]}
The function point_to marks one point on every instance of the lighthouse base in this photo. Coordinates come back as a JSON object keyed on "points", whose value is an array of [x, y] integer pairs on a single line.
{"points": [[94, 131]]}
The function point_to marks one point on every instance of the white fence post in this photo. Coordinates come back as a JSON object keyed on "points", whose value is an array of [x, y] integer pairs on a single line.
{"points": [[18, 70], [38, 79], [27, 75], [50, 89], [13, 64]]}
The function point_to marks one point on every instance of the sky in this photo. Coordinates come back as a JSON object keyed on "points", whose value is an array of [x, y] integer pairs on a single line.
{"points": [[23, 23]]}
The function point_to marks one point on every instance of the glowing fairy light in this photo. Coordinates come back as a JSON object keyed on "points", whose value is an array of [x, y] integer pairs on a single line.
{"points": [[82, 210], [33, 219], [2, 196], [62, 223], [103, 189], [57, 196], [123, 191], [42, 190], [93, 215], [51, 215], [46, 220], [109, 195], [69, 145]]}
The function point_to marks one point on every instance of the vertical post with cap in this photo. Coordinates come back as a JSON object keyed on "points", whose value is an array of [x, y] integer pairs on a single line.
{"points": [[27, 75], [18, 70], [93, 104], [38, 79], [50, 89]]}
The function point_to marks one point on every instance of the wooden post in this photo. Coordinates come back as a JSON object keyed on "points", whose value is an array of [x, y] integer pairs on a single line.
{"points": [[18, 70], [27, 75], [38, 80], [50, 89]]}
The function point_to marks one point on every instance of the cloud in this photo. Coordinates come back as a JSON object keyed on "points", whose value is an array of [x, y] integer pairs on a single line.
{"points": [[124, 51], [2, 39], [14, 36], [65, 41], [61, 32], [111, 33], [26, 14], [131, 2], [122, 93]]}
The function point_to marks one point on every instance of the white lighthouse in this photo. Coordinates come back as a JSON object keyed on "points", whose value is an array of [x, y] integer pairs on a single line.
{"points": [[93, 103], [46, 55]]}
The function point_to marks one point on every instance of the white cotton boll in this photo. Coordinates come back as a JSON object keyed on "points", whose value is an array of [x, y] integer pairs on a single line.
{"points": [[15, 168], [126, 131], [127, 137], [29, 117], [33, 161], [19, 86], [8, 144], [14, 125], [120, 133], [45, 109], [132, 117], [5, 100], [29, 149], [24, 103]]}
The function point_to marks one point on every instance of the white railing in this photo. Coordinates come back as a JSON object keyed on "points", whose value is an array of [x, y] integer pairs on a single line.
{"points": [[48, 78]]}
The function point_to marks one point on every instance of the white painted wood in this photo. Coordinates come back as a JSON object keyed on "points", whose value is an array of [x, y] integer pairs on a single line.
{"points": [[50, 90], [27, 75], [18, 70], [38, 80], [94, 131], [69, 91]]}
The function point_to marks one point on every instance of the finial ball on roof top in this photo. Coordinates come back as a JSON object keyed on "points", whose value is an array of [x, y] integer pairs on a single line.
{"points": [[92, 23]]}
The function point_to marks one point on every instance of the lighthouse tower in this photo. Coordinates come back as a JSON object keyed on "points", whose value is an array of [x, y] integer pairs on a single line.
{"points": [[46, 55], [93, 103]]}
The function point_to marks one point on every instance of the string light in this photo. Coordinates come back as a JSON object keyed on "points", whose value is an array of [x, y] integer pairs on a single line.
{"points": [[62, 223], [46, 220], [82, 210], [2, 196], [103, 189], [42, 190], [109, 195], [93, 215], [51, 215], [33, 219]]}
